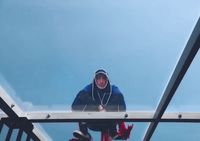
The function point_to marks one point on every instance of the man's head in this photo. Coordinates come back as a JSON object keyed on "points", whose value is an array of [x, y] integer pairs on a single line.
{"points": [[101, 79]]}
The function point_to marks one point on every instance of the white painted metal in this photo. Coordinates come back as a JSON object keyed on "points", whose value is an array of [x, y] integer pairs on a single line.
{"points": [[64, 115], [144, 116], [12, 104]]}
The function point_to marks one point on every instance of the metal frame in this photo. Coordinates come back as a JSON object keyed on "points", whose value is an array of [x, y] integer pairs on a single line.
{"points": [[14, 117], [132, 116], [137, 116], [182, 66]]}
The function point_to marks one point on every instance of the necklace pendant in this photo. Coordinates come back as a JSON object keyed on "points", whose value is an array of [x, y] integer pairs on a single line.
{"points": [[101, 108]]}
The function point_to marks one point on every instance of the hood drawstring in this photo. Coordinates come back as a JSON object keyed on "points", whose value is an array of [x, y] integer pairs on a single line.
{"points": [[93, 87]]}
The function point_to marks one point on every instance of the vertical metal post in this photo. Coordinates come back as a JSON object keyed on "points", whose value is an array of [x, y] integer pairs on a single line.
{"points": [[9, 134], [28, 138], [19, 135], [1, 126]]}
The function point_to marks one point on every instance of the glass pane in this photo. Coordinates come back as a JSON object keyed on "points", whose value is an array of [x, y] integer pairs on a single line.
{"points": [[177, 131], [186, 97], [50, 50]]}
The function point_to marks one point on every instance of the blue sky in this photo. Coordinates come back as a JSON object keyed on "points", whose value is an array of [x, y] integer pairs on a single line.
{"points": [[49, 50]]}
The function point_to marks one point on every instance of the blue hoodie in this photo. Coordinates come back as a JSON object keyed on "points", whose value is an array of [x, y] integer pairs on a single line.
{"points": [[91, 97]]}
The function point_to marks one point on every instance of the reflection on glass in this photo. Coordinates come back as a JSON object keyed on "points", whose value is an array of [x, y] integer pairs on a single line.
{"points": [[187, 95], [50, 53], [177, 132]]}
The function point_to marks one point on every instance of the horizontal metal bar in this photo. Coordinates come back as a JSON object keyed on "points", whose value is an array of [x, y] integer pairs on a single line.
{"points": [[130, 116], [59, 116]]}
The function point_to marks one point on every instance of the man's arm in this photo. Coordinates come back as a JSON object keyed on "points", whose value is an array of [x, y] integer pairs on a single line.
{"points": [[122, 104], [119, 99], [79, 102]]}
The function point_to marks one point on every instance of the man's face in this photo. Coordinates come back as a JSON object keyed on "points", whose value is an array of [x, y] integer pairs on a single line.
{"points": [[101, 81]]}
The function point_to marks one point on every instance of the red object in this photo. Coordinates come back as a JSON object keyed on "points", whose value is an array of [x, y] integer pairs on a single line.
{"points": [[124, 132], [105, 136]]}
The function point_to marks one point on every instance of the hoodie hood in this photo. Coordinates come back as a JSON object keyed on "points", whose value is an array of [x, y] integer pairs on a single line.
{"points": [[107, 90]]}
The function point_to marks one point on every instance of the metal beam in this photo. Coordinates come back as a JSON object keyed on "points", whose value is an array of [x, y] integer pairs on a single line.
{"points": [[6, 108], [131, 116], [68, 116], [13, 111], [9, 134], [19, 135], [1, 126], [182, 66]]}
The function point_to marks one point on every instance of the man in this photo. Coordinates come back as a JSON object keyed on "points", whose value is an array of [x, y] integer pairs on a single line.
{"points": [[100, 96]]}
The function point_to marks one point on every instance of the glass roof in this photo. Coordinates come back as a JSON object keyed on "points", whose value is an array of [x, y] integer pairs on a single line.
{"points": [[49, 51], [177, 131], [186, 96]]}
